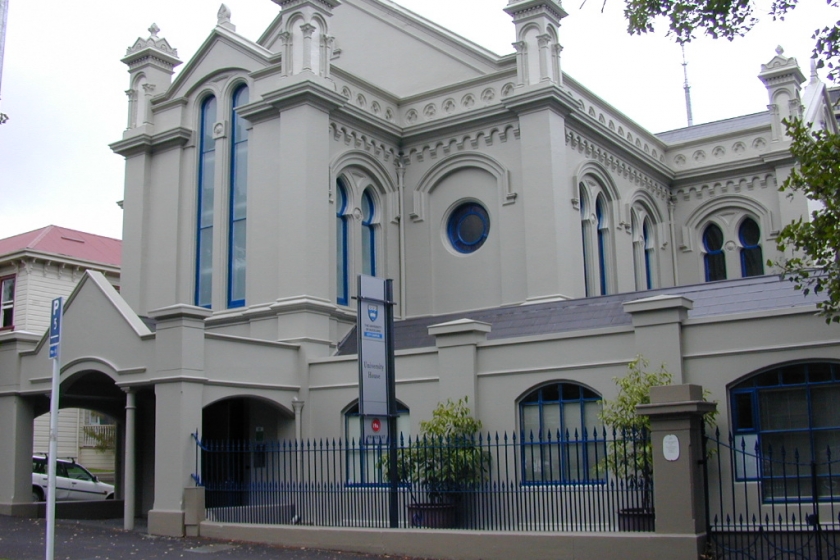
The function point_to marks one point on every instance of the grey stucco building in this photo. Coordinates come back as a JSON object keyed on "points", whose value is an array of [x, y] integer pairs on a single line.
{"points": [[538, 239]]}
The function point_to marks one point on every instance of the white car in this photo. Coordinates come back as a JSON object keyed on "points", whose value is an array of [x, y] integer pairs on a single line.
{"points": [[72, 482]]}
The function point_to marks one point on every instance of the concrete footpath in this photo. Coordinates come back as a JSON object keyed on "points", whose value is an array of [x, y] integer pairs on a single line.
{"points": [[25, 539]]}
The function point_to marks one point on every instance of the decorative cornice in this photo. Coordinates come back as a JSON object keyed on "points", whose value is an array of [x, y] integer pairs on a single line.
{"points": [[150, 143], [614, 163], [463, 140], [521, 9], [733, 185], [302, 92], [364, 141], [539, 98]]}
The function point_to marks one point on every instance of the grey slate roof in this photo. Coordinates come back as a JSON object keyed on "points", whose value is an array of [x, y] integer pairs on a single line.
{"points": [[761, 293], [715, 128]]}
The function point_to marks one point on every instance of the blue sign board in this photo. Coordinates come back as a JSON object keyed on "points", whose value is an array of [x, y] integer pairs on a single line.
{"points": [[55, 326]]}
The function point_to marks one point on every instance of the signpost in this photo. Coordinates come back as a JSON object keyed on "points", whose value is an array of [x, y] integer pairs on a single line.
{"points": [[56, 312], [377, 387]]}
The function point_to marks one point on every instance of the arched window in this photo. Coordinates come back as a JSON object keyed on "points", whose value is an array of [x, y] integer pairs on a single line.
{"points": [[642, 250], [752, 260], [584, 234], [238, 201], [560, 433], [364, 465], [206, 189], [788, 411], [603, 241], [714, 258], [342, 273], [368, 234]]}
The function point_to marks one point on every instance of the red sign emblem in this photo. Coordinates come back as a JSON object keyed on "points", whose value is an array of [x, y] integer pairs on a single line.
{"points": [[376, 425]]}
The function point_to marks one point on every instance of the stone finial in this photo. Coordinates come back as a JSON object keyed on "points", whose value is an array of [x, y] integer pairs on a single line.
{"points": [[223, 18], [153, 31]]}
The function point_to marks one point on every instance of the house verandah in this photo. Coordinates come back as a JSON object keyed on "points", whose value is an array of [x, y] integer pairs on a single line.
{"points": [[170, 376]]}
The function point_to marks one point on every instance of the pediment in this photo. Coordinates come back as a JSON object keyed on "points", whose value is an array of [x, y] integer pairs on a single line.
{"points": [[98, 326], [222, 50]]}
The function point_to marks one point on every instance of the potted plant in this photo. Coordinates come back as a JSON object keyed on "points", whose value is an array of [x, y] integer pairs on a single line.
{"points": [[443, 462]]}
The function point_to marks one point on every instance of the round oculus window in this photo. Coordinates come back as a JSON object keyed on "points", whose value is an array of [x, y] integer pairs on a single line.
{"points": [[467, 227]]}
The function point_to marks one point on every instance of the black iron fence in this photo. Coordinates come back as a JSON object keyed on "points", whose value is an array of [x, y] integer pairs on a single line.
{"points": [[571, 482], [766, 502]]}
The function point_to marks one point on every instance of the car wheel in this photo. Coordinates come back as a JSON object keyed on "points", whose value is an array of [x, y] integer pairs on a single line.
{"points": [[109, 497], [37, 495]]}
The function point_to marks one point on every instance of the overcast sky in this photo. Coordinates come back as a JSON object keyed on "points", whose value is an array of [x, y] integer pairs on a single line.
{"points": [[63, 83]]}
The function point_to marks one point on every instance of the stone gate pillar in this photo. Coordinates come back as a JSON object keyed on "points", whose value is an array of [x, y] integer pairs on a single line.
{"points": [[676, 418]]}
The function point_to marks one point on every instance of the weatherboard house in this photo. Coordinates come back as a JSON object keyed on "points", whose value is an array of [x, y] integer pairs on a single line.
{"points": [[538, 241]]}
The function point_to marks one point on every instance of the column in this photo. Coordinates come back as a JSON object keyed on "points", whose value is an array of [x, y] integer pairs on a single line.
{"points": [[657, 322], [16, 418], [456, 342], [130, 462], [676, 418]]}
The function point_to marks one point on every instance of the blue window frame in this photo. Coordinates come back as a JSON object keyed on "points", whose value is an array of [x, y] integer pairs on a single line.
{"points": [[648, 249], [342, 273], [560, 436], [238, 201], [584, 235], [368, 234], [602, 232], [752, 260], [714, 259], [468, 227], [206, 189], [364, 465], [787, 412]]}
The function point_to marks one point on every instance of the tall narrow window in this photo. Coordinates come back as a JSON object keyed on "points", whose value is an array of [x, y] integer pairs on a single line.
{"points": [[584, 235], [341, 242], [647, 240], [368, 234], [752, 261], [602, 233], [206, 188], [238, 201], [7, 302], [714, 259]]}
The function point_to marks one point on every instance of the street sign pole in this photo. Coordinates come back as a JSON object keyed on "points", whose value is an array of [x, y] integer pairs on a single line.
{"points": [[377, 393], [55, 356]]}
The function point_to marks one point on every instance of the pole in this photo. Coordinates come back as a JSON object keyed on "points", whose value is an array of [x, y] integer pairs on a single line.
{"points": [[55, 355], [393, 505]]}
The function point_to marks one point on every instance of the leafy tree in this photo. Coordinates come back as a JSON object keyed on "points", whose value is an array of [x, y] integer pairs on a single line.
{"points": [[630, 453], [814, 266], [726, 19]]}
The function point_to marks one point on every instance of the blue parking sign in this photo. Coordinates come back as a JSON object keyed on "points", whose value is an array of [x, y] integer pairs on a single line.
{"points": [[55, 326]]}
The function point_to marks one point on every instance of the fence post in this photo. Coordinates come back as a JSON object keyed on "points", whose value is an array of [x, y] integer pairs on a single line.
{"points": [[676, 418]]}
